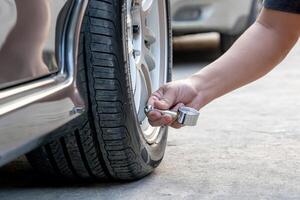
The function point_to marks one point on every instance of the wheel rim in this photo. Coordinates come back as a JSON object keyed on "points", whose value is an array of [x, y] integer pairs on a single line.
{"points": [[147, 42]]}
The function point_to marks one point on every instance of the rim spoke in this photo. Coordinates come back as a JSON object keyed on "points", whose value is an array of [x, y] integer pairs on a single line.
{"points": [[138, 91], [147, 5], [149, 36], [133, 73], [145, 84], [149, 59], [146, 78]]}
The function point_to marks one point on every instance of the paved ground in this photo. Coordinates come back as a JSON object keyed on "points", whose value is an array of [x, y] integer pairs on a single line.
{"points": [[246, 146]]}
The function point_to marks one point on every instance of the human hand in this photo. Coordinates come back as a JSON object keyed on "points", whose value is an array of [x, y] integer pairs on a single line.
{"points": [[172, 96]]}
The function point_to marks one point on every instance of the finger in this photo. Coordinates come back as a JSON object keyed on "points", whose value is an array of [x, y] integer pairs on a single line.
{"points": [[155, 123], [156, 96], [177, 106], [167, 100], [168, 120], [174, 123], [163, 121], [154, 116]]}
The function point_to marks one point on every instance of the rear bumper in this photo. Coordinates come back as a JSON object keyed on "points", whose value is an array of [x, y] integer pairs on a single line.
{"points": [[225, 16]]}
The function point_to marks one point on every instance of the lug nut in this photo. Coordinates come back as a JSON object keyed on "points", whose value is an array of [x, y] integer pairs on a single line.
{"points": [[136, 29], [136, 53]]}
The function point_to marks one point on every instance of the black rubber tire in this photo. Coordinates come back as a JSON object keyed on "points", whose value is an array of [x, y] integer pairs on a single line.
{"points": [[227, 39], [106, 142]]}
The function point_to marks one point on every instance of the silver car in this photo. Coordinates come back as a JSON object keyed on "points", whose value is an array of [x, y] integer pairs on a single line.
{"points": [[228, 17]]}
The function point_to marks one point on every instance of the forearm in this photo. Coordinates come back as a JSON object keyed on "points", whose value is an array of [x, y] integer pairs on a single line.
{"points": [[256, 53]]}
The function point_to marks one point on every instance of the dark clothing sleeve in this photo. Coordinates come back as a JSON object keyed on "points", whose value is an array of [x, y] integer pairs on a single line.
{"points": [[292, 6]]}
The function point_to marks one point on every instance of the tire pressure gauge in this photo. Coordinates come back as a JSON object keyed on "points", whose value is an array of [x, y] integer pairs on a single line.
{"points": [[186, 116]]}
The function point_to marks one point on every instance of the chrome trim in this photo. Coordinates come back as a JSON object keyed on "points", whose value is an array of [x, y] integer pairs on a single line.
{"points": [[26, 111]]}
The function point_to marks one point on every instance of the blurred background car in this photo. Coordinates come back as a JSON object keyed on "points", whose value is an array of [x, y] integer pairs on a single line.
{"points": [[230, 18]]}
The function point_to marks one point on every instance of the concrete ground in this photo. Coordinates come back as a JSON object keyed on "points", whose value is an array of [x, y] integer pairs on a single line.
{"points": [[246, 146]]}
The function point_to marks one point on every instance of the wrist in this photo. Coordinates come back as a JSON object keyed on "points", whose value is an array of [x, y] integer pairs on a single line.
{"points": [[200, 85]]}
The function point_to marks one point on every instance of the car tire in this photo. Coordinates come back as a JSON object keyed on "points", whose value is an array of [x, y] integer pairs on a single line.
{"points": [[109, 140], [227, 40]]}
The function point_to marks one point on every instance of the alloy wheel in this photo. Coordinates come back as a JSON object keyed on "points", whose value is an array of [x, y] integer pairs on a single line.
{"points": [[147, 43]]}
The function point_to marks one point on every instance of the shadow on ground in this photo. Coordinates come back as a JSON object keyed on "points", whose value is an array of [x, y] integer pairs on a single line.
{"points": [[19, 174]]}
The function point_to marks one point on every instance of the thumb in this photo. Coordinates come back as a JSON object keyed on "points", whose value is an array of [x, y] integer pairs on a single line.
{"points": [[166, 100]]}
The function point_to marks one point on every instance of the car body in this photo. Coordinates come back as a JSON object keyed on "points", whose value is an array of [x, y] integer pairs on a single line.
{"points": [[230, 18], [224, 16], [28, 104], [74, 77]]}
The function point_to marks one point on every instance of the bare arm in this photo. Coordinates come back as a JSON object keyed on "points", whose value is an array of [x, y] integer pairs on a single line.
{"points": [[257, 51]]}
